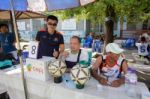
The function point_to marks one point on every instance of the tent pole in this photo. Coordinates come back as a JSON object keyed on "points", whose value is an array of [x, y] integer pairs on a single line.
{"points": [[11, 21], [19, 48]]}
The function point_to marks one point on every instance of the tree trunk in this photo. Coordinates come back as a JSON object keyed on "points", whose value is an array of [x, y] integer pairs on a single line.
{"points": [[109, 31], [109, 23], [121, 27], [145, 25]]}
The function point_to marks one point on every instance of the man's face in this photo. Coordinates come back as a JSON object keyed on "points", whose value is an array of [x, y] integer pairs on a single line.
{"points": [[91, 33], [113, 55], [51, 25], [4, 29], [74, 44]]}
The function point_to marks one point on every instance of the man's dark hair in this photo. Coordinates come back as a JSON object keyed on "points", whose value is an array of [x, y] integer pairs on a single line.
{"points": [[76, 37], [52, 17], [3, 25], [143, 39]]}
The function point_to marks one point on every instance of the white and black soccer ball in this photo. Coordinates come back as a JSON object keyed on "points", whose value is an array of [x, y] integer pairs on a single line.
{"points": [[57, 68], [80, 74]]}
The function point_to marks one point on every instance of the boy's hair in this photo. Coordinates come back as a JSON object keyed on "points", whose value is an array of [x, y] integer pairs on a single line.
{"points": [[143, 39], [52, 17], [76, 37], [3, 25]]}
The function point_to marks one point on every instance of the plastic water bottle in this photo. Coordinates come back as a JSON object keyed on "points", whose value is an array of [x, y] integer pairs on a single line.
{"points": [[24, 56], [130, 83]]}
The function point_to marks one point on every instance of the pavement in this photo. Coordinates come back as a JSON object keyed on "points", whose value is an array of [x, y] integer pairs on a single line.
{"points": [[142, 75]]}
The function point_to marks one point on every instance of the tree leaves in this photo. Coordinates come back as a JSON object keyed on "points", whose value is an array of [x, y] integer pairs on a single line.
{"points": [[133, 10]]}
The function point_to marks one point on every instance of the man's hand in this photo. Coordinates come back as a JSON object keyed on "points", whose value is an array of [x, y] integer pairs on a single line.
{"points": [[103, 81], [55, 53], [64, 54], [117, 83]]}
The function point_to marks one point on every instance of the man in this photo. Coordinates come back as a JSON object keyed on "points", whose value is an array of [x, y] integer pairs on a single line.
{"points": [[110, 69], [146, 35], [75, 55], [51, 42], [143, 48], [7, 41]]}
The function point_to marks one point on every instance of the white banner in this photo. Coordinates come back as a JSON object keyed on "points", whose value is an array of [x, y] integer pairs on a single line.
{"points": [[37, 5], [84, 2]]}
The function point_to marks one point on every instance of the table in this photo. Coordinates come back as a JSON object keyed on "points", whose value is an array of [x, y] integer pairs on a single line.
{"points": [[2, 89], [48, 90]]}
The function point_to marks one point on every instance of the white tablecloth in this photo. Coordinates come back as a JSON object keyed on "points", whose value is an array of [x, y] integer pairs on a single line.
{"points": [[2, 89], [48, 90]]}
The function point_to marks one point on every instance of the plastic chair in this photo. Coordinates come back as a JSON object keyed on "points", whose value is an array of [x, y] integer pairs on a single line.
{"points": [[129, 43]]}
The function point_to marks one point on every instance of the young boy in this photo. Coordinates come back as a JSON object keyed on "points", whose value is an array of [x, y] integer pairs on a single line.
{"points": [[143, 48], [96, 46]]}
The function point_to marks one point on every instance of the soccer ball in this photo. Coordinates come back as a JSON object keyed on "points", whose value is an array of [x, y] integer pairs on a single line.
{"points": [[57, 68], [80, 74]]}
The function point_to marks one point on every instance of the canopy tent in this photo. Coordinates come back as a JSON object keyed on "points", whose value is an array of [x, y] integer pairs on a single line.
{"points": [[35, 5], [42, 5], [6, 15]]}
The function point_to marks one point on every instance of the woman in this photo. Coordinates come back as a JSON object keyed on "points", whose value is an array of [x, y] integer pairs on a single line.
{"points": [[110, 69]]}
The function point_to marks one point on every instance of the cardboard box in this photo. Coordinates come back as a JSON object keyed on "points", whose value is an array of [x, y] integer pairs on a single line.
{"points": [[38, 68]]}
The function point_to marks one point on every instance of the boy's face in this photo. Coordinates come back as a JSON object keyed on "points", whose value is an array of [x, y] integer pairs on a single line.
{"points": [[4, 29], [51, 25]]}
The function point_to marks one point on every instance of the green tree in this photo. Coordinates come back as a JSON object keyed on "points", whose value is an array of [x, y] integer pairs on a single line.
{"points": [[109, 11]]}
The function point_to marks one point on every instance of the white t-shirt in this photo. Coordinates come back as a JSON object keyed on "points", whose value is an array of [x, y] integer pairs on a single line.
{"points": [[73, 57], [142, 49]]}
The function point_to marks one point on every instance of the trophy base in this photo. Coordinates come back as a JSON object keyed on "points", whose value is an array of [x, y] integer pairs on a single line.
{"points": [[57, 79], [79, 86]]}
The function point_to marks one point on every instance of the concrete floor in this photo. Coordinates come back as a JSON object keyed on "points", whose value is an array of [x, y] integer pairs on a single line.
{"points": [[142, 76]]}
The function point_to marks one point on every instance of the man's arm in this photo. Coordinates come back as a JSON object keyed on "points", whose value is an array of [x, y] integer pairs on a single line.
{"points": [[121, 80], [61, 48], [95, 68], [57, 54], [61, 45], [38, 36], [13, 39]]}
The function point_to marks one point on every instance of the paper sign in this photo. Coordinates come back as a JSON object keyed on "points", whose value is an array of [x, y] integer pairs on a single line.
{"points": [[33, 49]]}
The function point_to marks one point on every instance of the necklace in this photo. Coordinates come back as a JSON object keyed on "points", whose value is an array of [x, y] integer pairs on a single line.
{"points": [[110, 61]]}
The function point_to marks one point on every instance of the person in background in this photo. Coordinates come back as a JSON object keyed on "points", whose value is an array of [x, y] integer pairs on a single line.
{"points": [[75, 55], [143, 48], [96, 46], [89, 39], [110, 69], [51, 42], [7, 41], [146, 35]]}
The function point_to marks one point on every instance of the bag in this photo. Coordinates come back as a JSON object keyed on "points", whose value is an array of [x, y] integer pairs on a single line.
{"points": [[6, 57]]}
